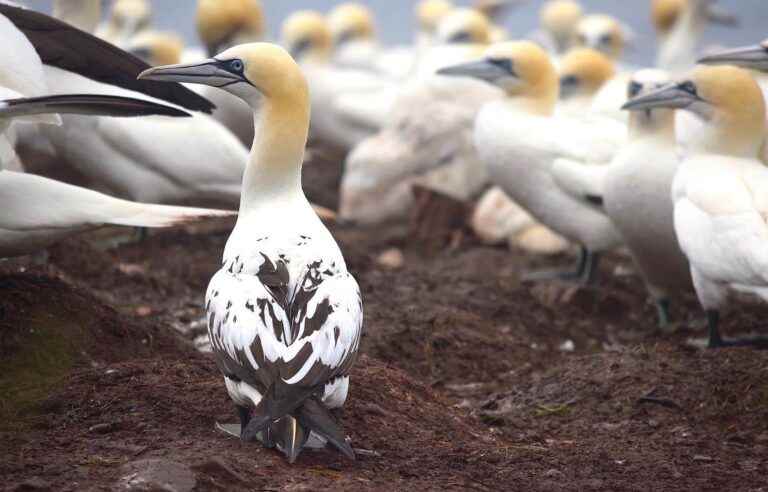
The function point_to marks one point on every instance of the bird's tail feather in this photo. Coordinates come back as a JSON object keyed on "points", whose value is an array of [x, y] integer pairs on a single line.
{"points": [[147, 215], [317, 418], [85, 104]]}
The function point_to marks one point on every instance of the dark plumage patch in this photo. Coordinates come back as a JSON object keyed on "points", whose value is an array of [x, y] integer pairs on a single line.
{"points": [[595, 200]]}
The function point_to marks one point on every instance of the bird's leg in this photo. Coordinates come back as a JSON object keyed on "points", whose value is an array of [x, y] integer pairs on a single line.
{"points": [[590, 263], [662, 310], [717, 341], [142, 233], [586, 260], [245, 416]]}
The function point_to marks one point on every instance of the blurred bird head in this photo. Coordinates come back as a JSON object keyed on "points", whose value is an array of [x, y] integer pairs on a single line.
{"points": [[306, 36], [157, 48], [249, 71], [754, 57], [521, 68], [429, 13], [351, 22], [583, 71], [726, 98], [667, 14], [603, 33], [494, 9], [127, 18], [659, 120], [559, 18], [225, 23], [464, 26]]}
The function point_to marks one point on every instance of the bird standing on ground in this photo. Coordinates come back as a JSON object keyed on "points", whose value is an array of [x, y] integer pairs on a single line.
{"points": [[720, 191], [638, 199], [541, 160], [284, 314]]}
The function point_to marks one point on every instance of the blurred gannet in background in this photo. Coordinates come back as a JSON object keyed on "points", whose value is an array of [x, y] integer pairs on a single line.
{"points": [[156, 47], [127, 18], [496, 11], [429, 13], [426, 137], [637, 196], [336, 122], [558, 20], [82, 14], [543, 161], [583, 72], [720, 191], [603, 33], [680, 25], [284, 315], [222, 24]]}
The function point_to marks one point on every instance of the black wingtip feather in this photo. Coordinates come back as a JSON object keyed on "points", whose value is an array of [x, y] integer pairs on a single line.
{"points": [[64, 46], [99, 105], [316, 417]]}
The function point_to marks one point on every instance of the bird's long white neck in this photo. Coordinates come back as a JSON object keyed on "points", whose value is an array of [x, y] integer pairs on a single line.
{"points": [[657, 125], [677, 49], [273, 173]]}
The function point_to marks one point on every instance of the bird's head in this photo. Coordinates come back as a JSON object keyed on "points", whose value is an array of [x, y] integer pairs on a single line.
{"points": [[520, 68], [127, 18], [753, 57], [351, 22], [645, 82], [157, 48], [603, 33], [306, 36], [726, 98], [429, 13], [248, 71], [583, 71], [225, 23], [666, 14], [559, 18], [494, 9], [464, 26]]}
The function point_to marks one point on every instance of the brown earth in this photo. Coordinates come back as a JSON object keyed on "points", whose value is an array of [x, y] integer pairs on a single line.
{"points": [[470, 379]]}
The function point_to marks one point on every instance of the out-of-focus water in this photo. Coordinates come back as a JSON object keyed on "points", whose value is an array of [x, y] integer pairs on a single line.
{"points": [[395, 20]]}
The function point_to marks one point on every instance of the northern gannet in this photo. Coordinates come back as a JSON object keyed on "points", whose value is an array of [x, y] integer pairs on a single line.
{"points": [[126, 19], [222, 24], [284, 315], [583, 72], [753, 57], [720, 190], [496, 11], [558, 20], [680, 25], [637, 196], [603, 33], [348, 104], [428, 14], [538, 158]]}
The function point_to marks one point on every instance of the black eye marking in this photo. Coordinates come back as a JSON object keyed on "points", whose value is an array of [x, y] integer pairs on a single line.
{"points": [[236, 66], [502, 63], [569, 81], [634, 89], [606, 39], [300, 47], [689, 87], [460, 37]]}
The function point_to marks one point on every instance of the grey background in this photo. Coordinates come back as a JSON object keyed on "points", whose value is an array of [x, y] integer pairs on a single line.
{"points": [[395, 19]]}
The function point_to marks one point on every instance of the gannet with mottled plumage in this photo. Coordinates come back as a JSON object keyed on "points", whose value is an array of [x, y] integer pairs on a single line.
{"points": [[539, 158], [637, 196], [284, 314], [720, 191]]}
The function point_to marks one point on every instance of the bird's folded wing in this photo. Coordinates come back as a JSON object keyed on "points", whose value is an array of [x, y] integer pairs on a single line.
{"points": [[33, 203], [69, 48], [583, 182], [30, 117], [84, 104]]}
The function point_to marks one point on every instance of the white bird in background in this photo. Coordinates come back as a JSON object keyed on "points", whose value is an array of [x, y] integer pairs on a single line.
{"points": [[426, 136], [284, 315], [429, 13], [637, 196], [337, 120], [720, 191], [127, 18], [583, 72], [603, 33], [222, 24], [558, 20], [544, 162]]}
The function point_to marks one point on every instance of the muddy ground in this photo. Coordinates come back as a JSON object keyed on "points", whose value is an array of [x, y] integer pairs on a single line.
{"points": [[469, 379]]}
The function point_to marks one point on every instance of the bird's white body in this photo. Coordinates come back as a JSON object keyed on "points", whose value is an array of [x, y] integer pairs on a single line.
{"points": [[153, 159], [543, 163], [37, 212], [637, 197], [721, 213]]}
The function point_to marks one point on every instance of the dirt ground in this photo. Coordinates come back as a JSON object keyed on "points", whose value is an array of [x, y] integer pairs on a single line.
{"points": [[469, 379]]}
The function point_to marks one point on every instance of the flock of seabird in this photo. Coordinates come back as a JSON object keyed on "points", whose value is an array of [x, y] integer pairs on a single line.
{"points": [[556, 138]]}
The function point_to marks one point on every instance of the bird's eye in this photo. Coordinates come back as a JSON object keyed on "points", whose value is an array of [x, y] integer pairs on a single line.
{"points": [[689, 87], [236, 65], [606, 39], [569, 80], [634, 89], [503, 63]]}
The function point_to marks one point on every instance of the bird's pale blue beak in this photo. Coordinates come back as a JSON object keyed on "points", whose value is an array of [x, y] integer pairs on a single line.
{"points": [[672, 96], [211, 72], [754, 57]]}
